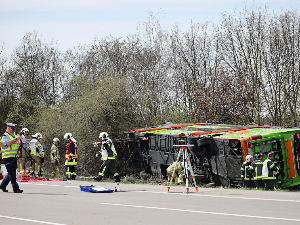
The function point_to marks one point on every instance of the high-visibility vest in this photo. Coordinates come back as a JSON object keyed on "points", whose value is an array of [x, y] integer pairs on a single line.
{"points": [[12, 150], [109, 152], [268, 172], [258, 165]]}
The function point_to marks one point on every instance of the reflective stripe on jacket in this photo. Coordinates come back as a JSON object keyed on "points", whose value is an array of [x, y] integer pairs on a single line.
{"points": [[54, 153], [178, 168], [247, 171], [12, 150], [107, 150], [72, 155], [36, 148], [257, 166], [269, 169]]}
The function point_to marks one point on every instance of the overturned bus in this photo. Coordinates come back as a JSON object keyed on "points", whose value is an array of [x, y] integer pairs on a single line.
{"points": [[216, 151]]}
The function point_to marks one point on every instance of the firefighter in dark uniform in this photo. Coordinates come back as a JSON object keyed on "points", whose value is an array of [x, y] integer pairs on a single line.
{"points": [[247, 172], [268, 172], [71, 156], [109, 154], [257, 176], [10, 146]]}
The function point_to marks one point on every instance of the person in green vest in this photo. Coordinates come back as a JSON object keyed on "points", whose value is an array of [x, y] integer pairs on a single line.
{"points": [[269, 173], [10, 146]]}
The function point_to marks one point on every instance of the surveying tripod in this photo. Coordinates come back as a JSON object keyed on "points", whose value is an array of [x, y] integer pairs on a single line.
{"points": [[187, 164]]}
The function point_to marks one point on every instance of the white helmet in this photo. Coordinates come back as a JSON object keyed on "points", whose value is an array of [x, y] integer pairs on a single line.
{"points": [[38, 135], [67, 136], [55, 140], [248, 158], [24, 130], [103, 135]]}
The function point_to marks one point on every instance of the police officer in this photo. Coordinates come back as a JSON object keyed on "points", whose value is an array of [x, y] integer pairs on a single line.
{"points": [[55, 157], [37, 153], [268, 173], [71, 156], [247, 172], [257, 167], [109, 154], [23, 152], [179, 172], [9, 149]]}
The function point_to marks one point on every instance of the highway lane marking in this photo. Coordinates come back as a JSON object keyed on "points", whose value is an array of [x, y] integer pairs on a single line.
{"points": [[28, 220], [204, 212], [231, 197]]}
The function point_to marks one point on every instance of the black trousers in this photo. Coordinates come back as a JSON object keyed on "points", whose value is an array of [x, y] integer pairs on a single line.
{"points": [[11, 167], [108, 166], [249, 183], [259, 183], [270, 185]]}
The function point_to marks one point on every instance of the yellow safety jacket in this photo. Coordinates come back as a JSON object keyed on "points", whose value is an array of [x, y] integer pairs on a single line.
{"points": [[54, 153], [178, 168], [12, 150]]}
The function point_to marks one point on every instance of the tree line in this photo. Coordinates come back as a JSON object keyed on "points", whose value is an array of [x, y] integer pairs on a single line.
{"points": [[244, 70]]}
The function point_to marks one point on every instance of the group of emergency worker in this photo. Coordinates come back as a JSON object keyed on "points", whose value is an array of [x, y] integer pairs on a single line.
{"points": [[15, 151], [259, 173]]}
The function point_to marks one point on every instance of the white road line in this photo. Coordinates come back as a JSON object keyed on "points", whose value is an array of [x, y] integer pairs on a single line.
{"points": [[226, 196], [34, 221], [204, 212]]}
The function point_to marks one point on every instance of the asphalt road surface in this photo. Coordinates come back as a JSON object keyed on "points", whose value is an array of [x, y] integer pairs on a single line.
{"points": [[63, 202]]}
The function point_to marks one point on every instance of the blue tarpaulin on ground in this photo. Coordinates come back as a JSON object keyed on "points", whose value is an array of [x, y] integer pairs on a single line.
{"points": [[95, 189]]}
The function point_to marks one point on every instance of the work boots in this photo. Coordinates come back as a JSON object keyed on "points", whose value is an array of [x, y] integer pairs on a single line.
{"points": [[3, 189], [98, 178], [117, 179]]}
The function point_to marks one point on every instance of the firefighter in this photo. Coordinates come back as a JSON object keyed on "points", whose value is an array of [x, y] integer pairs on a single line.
{"points": [[179, 172], [268, 173], [71, 156], [21, 161], [257, 167], [247, 172], [37, 153], [109, 154], [10, 146], [55, 157]]}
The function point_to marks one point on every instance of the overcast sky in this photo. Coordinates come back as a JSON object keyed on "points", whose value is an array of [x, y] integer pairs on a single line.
{"points": [[70, 22]]}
